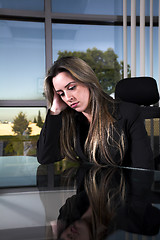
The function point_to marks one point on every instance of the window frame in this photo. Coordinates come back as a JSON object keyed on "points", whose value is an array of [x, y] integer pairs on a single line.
{"points": [[48, 17]]}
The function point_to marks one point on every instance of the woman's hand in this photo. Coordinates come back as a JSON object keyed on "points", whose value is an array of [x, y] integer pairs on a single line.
{"points": [[58, 105], [54, 228]]}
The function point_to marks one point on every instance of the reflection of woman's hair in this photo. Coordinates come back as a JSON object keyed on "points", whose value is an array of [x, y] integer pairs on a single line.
{"points": [[105, 188], [103, 193], [68, 177], [102, 128]]}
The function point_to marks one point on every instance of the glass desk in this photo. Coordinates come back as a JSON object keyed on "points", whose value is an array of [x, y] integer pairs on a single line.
{"points": [[67, 201]]}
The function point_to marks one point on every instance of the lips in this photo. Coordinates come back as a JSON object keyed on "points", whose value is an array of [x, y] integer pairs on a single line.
{"points": [[74, 105], [74, 229]]}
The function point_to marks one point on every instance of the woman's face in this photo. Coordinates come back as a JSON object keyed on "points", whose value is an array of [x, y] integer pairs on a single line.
{"points": [[73, 93]]}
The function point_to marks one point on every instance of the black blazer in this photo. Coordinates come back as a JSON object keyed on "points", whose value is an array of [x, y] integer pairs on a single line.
{"points": [[138, 152]]}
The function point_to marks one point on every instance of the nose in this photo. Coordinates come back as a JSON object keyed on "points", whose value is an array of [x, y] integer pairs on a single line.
{"points": [[67, 234], [69, 97]]}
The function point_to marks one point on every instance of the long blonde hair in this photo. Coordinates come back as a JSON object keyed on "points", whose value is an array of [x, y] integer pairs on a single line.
{"points": [[102, 128], [106, 191]]}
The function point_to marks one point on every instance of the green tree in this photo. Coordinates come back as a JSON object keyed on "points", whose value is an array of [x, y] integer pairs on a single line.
{"points": [[39, 120], [9, 149], [122, 70], [15, 147], [35, 120], [20, 124], [105, 64]]}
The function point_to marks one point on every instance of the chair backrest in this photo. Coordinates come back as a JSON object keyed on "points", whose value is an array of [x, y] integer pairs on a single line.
{"points": [[139, 90], [144, 92]]}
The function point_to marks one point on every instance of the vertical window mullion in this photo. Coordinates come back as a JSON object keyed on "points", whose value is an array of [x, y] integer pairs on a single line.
{"points": [[142, 37], [125, 37], [133, 38], [151, 38], [48, 34]]}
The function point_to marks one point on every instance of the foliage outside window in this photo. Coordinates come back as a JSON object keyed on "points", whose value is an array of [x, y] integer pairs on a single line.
{"points": [[22, 136], [105, 64]]}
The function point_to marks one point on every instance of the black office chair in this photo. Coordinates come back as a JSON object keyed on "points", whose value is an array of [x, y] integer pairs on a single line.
{"points": [[144, 92]]}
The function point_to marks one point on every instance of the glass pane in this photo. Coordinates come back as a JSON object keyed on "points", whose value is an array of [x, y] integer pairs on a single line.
{"points": [[103, 42], [16, 171], [19, 130], [22, 60], [23, 4], [88, 7], [105, 7]]}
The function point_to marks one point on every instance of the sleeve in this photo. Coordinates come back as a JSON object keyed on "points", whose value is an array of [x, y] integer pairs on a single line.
{"points": [[48, 145], [139, 147]]}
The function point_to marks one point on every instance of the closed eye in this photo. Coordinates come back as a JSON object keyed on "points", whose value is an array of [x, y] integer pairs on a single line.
{"points": [[72, 88], [61, 94]]}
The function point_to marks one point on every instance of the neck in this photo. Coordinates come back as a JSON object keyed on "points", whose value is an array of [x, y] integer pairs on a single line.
{"points": [[88, 116]]}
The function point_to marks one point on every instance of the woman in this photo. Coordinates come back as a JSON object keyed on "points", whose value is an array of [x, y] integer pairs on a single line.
{"points": [[85, 124]]}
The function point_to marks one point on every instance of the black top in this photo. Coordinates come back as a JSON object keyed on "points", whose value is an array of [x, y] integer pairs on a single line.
{"points": [[138, 152]]}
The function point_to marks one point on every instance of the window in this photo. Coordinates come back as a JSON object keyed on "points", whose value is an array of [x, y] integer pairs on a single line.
{"points": [[34, 33], [22, 4], [19, 130], [22, 60], [106, 7], [94, 44]]}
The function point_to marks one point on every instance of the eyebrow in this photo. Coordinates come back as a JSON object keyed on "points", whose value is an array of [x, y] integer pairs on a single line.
{"points": [[65, 86]]}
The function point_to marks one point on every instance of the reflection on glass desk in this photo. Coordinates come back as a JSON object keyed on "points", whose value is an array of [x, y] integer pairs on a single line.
{"points": [[67, 201], [18, 171]]}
